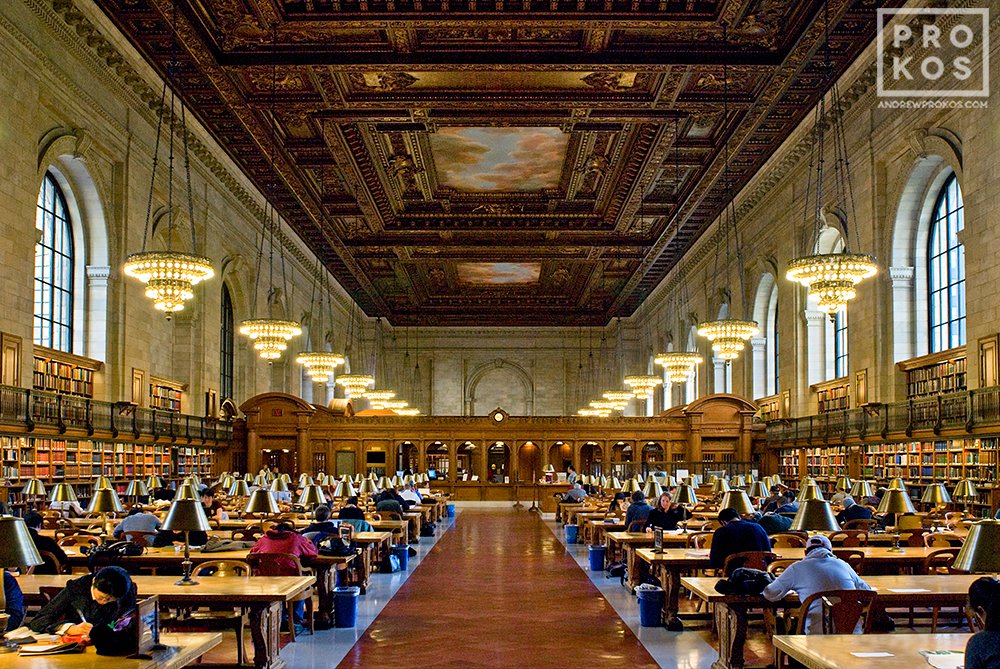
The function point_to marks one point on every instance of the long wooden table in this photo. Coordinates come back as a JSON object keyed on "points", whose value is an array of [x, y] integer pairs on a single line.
{"points": [[263, 597], [324, 567], [669, 564], [731, 611], [840, 652], [180, 650]]}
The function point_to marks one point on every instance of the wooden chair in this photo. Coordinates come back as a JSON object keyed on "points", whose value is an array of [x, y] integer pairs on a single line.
{"points": [[247, 534], [849, 538], [49, 560], [943, 540], [866, 524], [636, 525], [939, 562], [79, 540], [141, 537], [842, 610], [787, 540], [852, 556], [775, 567], [285, 564], [215, 619], [748, 559], [700, 539], [908, 521], [914, 538]]}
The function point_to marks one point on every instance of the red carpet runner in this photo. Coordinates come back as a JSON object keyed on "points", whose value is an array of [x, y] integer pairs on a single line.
{"points": [[498, 590]]}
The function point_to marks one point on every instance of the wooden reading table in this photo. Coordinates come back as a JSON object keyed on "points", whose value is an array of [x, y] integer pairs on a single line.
{"points": [[180, 650], [840, 652]]}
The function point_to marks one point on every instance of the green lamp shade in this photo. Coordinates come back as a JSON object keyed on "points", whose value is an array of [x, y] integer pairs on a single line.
{"points": [[17, 548], [62, 492], [979, 552], [261, 501], [104, 500], [815, 514], [186, 515], [550, 469]]}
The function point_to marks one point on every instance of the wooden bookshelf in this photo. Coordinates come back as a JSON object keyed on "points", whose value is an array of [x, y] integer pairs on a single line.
{"points": [[826, 463], [769, 408], [832, 395], [64, 373], [165, 394], [788, 466], [943, 372]]}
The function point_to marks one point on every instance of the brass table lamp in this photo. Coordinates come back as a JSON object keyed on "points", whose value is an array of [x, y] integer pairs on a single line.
{"points": [[758, 490], [17, 549], [35, 490], [345, 489], [685, 496], [239, 489], [861, 489], [738, 482], [368, 487], [935, 495], [720, 486], [809, 491], [187, 515], [154, 482], [62, 492], [738, 500], [896, 502], [135, 490], [102, 482], [277, 485], [844, 484], [262, 503], [980, 552], [312, 496], [966, 492], [104, 501], [897, 484], [652, 490], [186, 491], [630, 486], [815, 514]]}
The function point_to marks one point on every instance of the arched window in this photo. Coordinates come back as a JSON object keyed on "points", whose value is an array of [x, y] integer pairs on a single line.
{"points": [[840, 344], [53, 321], [226, 344], [772, 343], [946, 270]]}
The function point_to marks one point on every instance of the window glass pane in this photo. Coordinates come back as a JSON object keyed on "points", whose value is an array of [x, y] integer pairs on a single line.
{"points": [[53, 290], [946, 270]]}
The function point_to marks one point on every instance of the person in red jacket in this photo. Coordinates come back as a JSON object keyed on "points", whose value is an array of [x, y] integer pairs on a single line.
{"points": [[282, 539]]}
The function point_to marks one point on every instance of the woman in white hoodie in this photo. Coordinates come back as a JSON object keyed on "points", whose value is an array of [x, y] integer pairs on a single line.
{"points": [[820, 571]]}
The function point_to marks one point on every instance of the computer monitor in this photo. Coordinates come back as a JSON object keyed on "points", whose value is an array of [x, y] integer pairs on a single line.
{"points": [[432, 474]]}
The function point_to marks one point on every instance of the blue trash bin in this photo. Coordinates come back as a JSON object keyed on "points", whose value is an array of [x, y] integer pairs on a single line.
{"points": [[597, 558], [571, 531], [403, 553], [451, 510], [650, 606], [345, 606]]}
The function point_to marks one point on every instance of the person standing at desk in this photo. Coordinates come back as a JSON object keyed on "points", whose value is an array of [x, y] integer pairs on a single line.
{"points": [[571, 475], [94, 600]]}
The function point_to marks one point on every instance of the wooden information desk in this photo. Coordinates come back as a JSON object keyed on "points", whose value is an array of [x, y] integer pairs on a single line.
{"points": [[263, 597], [325, 569], [181, 650], [838, 651], [731, 611], [668, 566]]}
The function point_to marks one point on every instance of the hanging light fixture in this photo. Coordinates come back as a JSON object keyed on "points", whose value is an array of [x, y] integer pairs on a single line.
{"points": [[593, 413], [643, 385], [378, 398], [620, 398], [728, 335], [170, 276], [270, 336], [320, 364], [831, 279], [396, 405], [355, 385], [678, 366], [408, 411]]}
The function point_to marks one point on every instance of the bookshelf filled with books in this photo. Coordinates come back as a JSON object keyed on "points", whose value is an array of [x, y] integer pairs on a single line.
{"points": [[832, 395], [937, 373], [826, 464], [64, 373], [165, 395], [789, 465]]}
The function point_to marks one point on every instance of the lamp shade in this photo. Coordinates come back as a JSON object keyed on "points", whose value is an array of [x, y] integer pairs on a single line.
{"points": [[312, 495], [261, 481], [34, 487], [669, 482], [102, 482], [248, 477], [720, 485], [277, 485], [630, 486], [186, 491], [844, 484], [737, 499], [104, 500], [758, 489], [615, 483], [358, 478], [239, 489], [896, 501], [368, 487], [815, 514], [768, 482], [17, 548], [935, 494], [809, 491], [383, 483], [227, 481], [550, 469], [62, 492], [154, 482], [862, 489], [261, 501], [652, 490], [286, 478], [304, 480], [965, 489], [136, 488], [345, 489], [979, 552], [738, 482], [776, 479], [897, 484], [686, 494], [186, 515]]}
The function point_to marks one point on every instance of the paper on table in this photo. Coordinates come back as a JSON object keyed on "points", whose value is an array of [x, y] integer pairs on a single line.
{"points": [[697, 552], [877, 654], [944, 659], [903, 591]]}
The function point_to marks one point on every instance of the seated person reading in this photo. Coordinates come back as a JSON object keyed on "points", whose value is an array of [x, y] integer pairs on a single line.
{"points": [[92, 606]]}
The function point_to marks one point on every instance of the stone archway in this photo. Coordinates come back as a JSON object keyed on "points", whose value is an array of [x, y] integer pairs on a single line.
{"points": [[499, 383]]}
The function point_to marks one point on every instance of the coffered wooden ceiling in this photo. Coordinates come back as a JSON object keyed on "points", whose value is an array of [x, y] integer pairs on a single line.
{"points": [[514, 162]]}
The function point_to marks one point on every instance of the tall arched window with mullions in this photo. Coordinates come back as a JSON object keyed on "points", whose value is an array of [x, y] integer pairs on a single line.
{"points": [[226, 341], [53, 321], [946, 269]]}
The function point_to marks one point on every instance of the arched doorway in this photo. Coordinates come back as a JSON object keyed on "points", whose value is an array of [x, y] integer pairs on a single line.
{"points": [[465, 462], [591, 459], [498, 463], [560, 455], [621, 460], [407, 458], [529, 462], [438, 463], [653, 458]]}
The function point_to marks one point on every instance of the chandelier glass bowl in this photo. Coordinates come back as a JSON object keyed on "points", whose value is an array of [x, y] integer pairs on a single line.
{"points": [[355, 385], [320, 365], [642, 384], [678, 365], [831, 278], [170, 276], [270, 336]]}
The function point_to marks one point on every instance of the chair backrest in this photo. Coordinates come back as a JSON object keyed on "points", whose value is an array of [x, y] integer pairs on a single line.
{"points": [[914, 537], [66, 532], [787, 540], [391, 515], [700, 539], [79, 540], [940, 561], [908, 521], [49, 592], [942, 540], [224, 569], [775, 567], [247, 534], [849, 538], [274, 564], [141, 537], [852, 556], [748, 559], [50, 561], [842, 609], [357, 524], [861, 524], [636, 525]]}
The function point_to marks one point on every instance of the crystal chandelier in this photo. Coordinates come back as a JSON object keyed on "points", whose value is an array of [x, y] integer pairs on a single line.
{"points": [[728, 336], [320, 365], [396, 405], [643, 385], [604, 405], [679, 366], [593, 413], [378, 398], [270, 336], [170, 276], [408, 411], [355, 385], [831, 279], [619, 397]]}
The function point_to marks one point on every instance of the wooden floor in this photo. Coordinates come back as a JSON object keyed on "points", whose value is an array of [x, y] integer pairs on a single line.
{"points": [[498, 591]]}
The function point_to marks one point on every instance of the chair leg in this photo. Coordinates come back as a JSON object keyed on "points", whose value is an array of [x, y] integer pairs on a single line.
{"points": [[934, 619], [290, 606], [240, 646], [310, 615]]}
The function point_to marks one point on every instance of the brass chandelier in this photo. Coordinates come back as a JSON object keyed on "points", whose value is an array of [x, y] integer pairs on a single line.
{"points": [[320, 364], [678, 366], [355, 385], [831, 279], [170, 276], [643, 385]]}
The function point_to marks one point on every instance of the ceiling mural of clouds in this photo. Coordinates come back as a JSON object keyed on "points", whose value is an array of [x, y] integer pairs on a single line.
{"points": [[499, 273], [499, 159]]}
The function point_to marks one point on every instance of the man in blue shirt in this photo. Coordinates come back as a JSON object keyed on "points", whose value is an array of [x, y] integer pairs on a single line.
{"points": [[736, 536], [637, 510], [790, 505], [853, 511]]}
